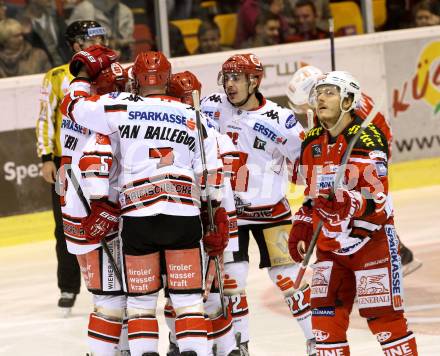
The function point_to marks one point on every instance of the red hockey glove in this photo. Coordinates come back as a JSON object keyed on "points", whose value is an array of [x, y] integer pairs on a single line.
{"points": [[216, 241], [95, 58], [301, 233], [344, 205], [103, 218]]}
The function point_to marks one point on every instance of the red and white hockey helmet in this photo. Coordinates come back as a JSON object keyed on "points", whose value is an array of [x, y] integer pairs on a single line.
{"points": [[151, 69], [110, 79], [247, 63], [301, 85], [347, 84], [182, 84]]}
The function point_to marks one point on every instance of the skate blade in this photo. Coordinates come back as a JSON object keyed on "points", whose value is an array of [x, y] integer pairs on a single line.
{"points": [[411, 267], [65, 312]]}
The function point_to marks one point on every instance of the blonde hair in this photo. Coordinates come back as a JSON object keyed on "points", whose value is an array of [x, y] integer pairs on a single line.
{"points": [[6, 29]]}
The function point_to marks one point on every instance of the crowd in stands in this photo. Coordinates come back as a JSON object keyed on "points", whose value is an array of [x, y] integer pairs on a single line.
{"points": [[31, 31]]}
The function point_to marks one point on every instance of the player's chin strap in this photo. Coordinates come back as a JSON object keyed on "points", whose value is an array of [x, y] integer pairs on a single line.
{"points": [[341, 115]]}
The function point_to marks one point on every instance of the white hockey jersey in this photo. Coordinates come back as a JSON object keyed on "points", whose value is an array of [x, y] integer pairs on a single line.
{"points": [[263, 138], [88, 170], [158, 142]]}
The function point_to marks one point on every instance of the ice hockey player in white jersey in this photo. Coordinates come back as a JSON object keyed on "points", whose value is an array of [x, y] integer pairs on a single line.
{"points": [[88, 177], [265, 136], [221, 338], [159, 195]]}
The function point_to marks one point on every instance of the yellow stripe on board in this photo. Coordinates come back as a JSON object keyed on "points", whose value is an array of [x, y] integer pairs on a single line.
{"points": [[40, 226], [20, 229]]}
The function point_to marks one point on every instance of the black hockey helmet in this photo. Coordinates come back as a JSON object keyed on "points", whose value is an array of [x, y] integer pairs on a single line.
{"points": [[82, 30]]}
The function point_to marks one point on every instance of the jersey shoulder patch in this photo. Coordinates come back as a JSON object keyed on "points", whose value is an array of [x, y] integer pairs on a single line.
{"points": [[372, 139]]}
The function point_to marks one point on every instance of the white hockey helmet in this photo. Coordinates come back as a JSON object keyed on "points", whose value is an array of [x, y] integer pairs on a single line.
{"points": [[347, 84], [300, 86]]}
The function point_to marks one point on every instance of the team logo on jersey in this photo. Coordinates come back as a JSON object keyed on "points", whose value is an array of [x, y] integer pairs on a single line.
{"points": [[259, 144], [272, 114], [291, 122], [373, 288], [316, 150], [215, 98], [114, 94]]}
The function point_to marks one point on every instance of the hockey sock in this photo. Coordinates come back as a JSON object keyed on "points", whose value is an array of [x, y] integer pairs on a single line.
{"points": [[191, 333], [143, 334], [103, 335], [392, 333], [240, 315], [405, 346]]}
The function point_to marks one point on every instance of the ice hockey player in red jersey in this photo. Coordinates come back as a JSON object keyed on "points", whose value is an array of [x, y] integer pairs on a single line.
{"points": [[88, 177], [357, 248], [264, 135], [159, 195], [298, 93], [221, 337]]}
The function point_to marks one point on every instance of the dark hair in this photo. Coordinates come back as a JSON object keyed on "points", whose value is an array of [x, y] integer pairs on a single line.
{"points": [[207, 25], [265, 17], [433, 6], [310, 3]]}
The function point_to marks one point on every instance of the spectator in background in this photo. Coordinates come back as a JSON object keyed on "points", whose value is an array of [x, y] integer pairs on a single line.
{"points": [[2, 10], [426, 13], [323, 12], [118, 20], [306, 19], [80, 10], [17, 56], [248, 14], [267, 31], [177, 45], [44, 29], [179, 9], [209, 38]]}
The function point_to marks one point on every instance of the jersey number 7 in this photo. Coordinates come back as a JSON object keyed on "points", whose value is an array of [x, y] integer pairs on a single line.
{"points": [[165, 154]]}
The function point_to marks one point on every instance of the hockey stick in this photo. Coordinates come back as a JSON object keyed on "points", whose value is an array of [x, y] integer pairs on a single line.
{"points": [[211, 227], [331, 30], [338, 180], [69, 171]]}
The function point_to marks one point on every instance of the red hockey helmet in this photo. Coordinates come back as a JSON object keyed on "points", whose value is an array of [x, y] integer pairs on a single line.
{"points": [[243, 63], [182, 84], [151, 69], [110, 79]]}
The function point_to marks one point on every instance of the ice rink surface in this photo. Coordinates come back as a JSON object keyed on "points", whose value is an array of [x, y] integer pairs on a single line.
{"points": [[31, 324]]}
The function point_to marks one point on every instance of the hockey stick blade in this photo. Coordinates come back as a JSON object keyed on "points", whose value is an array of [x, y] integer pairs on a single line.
{"points": [[338, 180]]}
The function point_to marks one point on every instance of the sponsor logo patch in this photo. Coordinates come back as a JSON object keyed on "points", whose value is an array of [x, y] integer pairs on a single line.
{"points": [[383, 336], [321, 278], [259, 144], [381, 169], [316, 150], [373, 288], [396, 270], [320, 335], [324, 311]]}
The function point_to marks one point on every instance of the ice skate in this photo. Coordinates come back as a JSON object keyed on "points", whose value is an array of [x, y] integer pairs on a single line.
{"points": [[66, 302], [409, 263], [173, 350]]}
